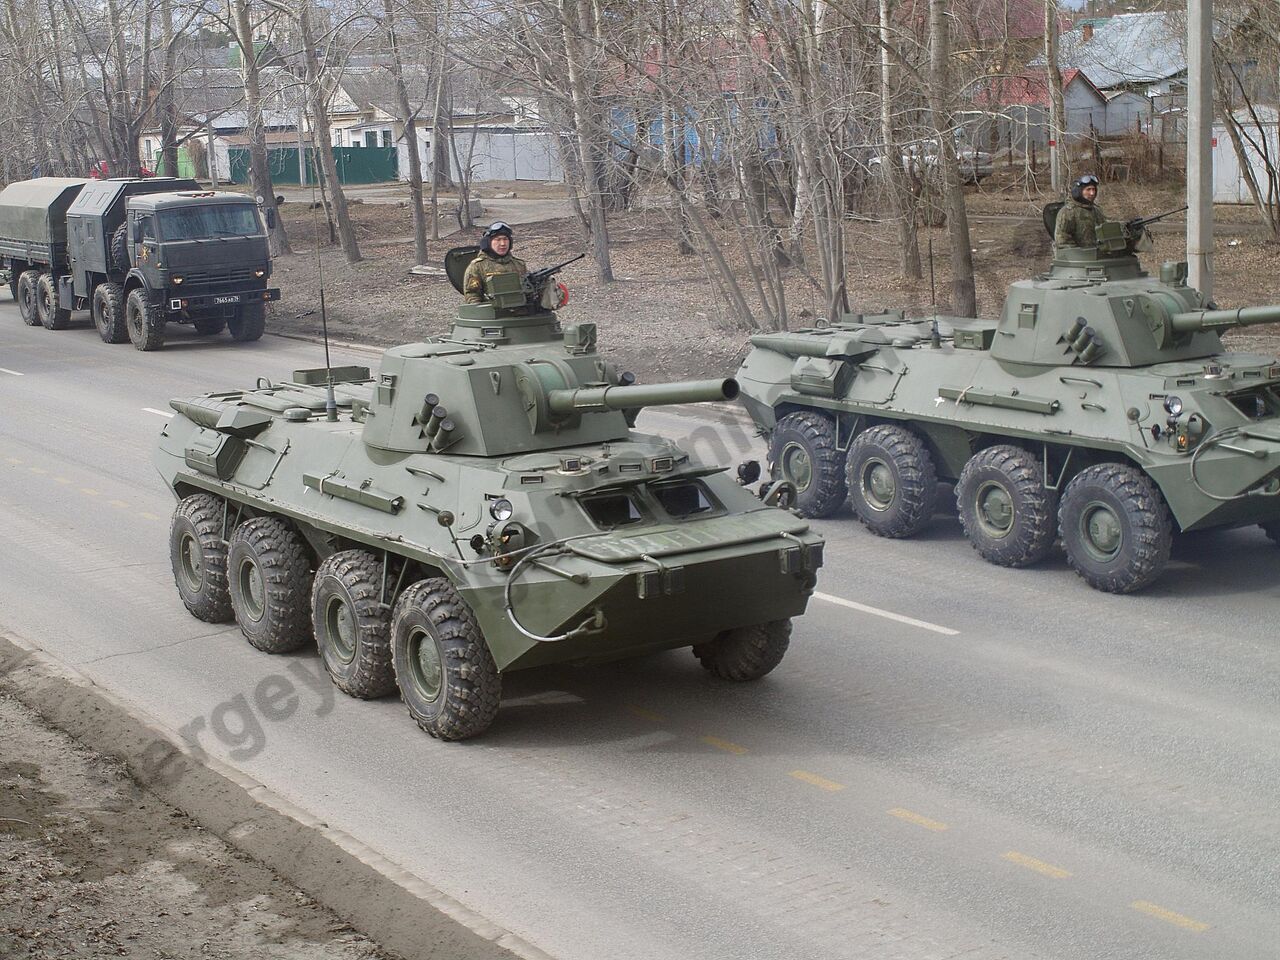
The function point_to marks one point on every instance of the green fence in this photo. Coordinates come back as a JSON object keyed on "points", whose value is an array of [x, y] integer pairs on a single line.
{"points": [[355, 165]]}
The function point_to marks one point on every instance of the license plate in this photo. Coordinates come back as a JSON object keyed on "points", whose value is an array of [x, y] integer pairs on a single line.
{"points": [[235, 298]]}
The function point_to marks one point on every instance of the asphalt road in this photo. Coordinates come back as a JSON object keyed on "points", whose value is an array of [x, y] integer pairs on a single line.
{"points": [[953, 760]]}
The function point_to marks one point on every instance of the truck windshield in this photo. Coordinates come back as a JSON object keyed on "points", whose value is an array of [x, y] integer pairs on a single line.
{"points": [[209, 220]]}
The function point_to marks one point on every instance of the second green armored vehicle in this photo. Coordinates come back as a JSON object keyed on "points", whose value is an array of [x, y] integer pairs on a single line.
{"points": [[1100, 408], [480, 505]]}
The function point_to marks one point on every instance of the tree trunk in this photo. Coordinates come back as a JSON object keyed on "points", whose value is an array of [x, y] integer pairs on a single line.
{"points": [[895, 175], [1058, 166], [323, 138], [165, 105], [259, 167], [963, 292], [409, 125]]}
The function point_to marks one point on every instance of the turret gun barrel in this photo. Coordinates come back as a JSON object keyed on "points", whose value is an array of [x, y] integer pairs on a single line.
{"points": [[1194, 320], [644, 395]]}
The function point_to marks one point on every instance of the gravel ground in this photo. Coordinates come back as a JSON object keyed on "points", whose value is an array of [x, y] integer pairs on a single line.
{"points": [[93, 866]]}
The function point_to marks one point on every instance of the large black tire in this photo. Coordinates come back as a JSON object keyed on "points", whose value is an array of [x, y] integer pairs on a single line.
{"points": [[144, 321], [1116, 528], [209, 324], [892, 482], [352, 625], [1008, 514], [28, 297], [803, 451], [120, 249], [52, 316], [199, 557], [746, 653], [248, 322], [269, 573], [1272, 530], [108, 313], [445, 672]]}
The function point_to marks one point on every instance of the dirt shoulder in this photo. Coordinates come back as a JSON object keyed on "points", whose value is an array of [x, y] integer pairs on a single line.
{"points": [[664, 320], [92, 865]]}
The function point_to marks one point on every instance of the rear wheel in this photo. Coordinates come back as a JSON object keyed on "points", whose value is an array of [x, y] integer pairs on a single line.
{"points": [[269, 574], [803, 451], [1116, 528], [209, 324], [108, 313], [443, 667], [52, 316], [248, 322], [352, 625], [746, 653], [199, 557], [144, 320], [27, 297], [892, 481], [1008, 514]]}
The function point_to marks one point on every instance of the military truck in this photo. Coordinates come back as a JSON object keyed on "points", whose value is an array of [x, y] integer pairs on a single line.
{"points": [[480, 505], [139, 254], [1100, 408]]}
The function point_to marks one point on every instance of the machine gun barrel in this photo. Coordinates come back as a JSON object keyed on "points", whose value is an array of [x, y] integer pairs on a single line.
{"points": [[1143, 221], [645, 395], [1194, 320], [537, 277]]}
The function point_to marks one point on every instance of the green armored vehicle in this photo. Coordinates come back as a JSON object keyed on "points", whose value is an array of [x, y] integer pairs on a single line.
{"points": [[480, 505], [1100, 408], [138, 254]]}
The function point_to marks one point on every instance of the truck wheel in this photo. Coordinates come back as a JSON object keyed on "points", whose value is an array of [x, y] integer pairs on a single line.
{"points": [[803, 451], [1272, 530], [52, 316], [892, 481], [210, 324], [1008, 514], [746, 653], [270, 580], [445, 672], [27, 297], [120, 248], [108, 313], [1116, 528], [248, 322], [199, 557], [145, 321], [352, 625]]}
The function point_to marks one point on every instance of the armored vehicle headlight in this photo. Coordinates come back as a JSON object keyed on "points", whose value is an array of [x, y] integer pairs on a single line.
{"points": [[1173, 405], [259, 273], [501, 510], [176, 279]]}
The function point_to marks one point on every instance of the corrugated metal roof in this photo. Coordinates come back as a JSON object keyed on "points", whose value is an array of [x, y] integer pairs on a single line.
{"points": [[1132, 48]]}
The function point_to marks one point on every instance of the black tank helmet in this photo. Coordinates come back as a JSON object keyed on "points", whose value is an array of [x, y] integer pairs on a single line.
{"points": [[1077, 188], [496, 229]]}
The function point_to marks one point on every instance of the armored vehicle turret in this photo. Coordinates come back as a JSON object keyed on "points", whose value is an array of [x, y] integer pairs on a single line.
{"points": [[1101, 408], [479, 505]]}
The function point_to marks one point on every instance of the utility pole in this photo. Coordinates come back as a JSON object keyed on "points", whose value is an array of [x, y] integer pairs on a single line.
{"points": [[1199, 145]]}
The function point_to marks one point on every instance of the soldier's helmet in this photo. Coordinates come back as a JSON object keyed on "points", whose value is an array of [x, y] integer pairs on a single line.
{"points": [[496, 229], [1077, 188]]}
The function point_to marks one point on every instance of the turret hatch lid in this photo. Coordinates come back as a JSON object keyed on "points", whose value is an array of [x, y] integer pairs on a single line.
{"points": [[456, 262]]}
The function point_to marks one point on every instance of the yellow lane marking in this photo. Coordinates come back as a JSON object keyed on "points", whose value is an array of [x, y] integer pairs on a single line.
{"points": [[917, 819], [15, 460], [62, 480], [119, 503], [1039, 866], [822, 783], [148, 516], [1168, 916], [37, 469], [644, 714], [724, 745], [89, 491]]}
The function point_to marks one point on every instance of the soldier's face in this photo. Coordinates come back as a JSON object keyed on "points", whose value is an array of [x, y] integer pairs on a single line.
{"points": [[502, 244], [1090, 193]]}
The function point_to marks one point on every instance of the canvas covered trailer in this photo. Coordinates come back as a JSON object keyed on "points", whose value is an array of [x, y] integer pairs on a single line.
{"points": [[33, 220]]}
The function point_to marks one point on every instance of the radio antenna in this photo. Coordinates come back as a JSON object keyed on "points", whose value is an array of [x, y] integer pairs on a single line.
{"points": [[330, 402], [934, 334]]}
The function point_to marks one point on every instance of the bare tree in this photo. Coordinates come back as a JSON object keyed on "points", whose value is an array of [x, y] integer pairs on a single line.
{"points": [[963, 292]]}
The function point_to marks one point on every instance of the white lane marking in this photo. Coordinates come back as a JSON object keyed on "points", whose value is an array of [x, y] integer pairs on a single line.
{"points": [[158, 413], [12, 373], [887, 614]]}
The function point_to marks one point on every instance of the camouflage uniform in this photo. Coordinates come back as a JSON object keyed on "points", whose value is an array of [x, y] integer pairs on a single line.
{"points": [[486, 265], [1077, 224]]}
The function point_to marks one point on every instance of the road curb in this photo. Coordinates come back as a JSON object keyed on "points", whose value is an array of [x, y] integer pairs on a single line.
{"points": [[388, 904]]}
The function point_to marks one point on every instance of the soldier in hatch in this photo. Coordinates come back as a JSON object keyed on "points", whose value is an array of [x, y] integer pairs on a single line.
{"points": [[1079, 217], [494, 258]]}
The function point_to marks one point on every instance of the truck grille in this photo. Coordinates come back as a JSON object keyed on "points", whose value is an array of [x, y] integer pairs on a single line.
{"points": [[216, 281]]}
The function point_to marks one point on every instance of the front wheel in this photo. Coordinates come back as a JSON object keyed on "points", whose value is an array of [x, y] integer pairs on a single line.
{"points": [[108, 313], [352, 625], [893, 484], [144, 320], [210, 324], [803, 451], [443, 667], [199, 557], [52, 316], [248, 322], [27, 297], [1008, 514], [269, 573], [1116, 528], [746, 653]]}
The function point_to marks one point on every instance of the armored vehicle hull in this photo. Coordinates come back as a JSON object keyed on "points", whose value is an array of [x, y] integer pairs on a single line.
{"points": [[1101, 408], [481, 505]]}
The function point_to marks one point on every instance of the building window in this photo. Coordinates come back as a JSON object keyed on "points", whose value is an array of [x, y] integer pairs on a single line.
{"points": [[386, 138]]}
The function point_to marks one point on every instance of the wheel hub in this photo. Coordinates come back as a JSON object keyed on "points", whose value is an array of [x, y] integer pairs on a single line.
{"points": [[878, 485], [995, 509], [1101, 531], [796, 466], [191, 560], [253, 589], [424, 661], [341, 629]]}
